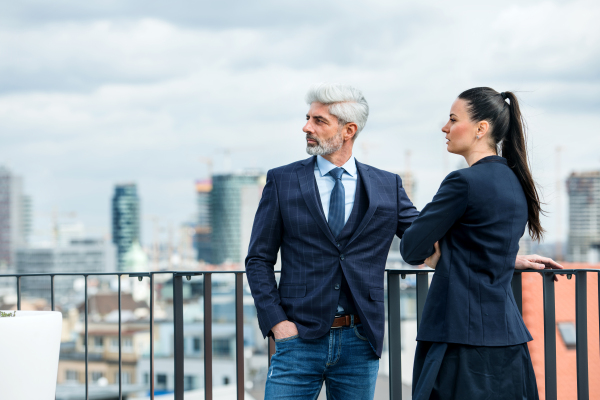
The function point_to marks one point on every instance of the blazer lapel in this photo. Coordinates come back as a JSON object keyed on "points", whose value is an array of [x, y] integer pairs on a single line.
{"points": [[368, 182], [306, 177]]}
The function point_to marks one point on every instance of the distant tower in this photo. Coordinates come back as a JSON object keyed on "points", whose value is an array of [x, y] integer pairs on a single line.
{"points": [[408, 183], [233, 204], [15, 216], [125, 220], [584, 215], [202, 236]]}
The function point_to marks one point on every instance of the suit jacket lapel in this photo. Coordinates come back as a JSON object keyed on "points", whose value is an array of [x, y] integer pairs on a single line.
{"points": [[306, 178], [368, 182]]}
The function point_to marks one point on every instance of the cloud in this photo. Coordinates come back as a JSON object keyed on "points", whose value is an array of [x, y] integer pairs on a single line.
{"points": [[97, 92]]}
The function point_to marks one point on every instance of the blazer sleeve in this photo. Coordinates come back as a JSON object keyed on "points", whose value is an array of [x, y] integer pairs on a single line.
{"points": [[448, 205], [265, 241], [407, 212]]}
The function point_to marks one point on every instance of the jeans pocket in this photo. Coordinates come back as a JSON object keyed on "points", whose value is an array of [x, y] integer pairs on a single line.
{"points": [[287, 339], [358, 334]]}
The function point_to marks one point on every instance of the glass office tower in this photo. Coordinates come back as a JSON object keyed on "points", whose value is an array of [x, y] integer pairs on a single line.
{"points": [[584, 216], [202, 236], [233, 203], [125, 219]]}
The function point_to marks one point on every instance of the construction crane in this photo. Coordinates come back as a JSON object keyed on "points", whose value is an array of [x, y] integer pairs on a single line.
{"points": [[559, 185], [226, 151], [208, 161]]}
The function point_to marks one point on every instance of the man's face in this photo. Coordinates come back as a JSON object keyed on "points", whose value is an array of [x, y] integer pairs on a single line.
{"points": [[323, 133]]}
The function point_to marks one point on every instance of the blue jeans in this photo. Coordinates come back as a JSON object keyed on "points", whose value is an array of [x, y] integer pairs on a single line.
{"points": [[343, 359]]}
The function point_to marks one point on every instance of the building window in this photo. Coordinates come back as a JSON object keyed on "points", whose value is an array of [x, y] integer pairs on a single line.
{"points": [[126, 377], [221, 347], [98, 342], [96, 375], [146, 378], [568, 333], [161, 381], [128, 345], [197, 345], [189, 382], [72, 376]]}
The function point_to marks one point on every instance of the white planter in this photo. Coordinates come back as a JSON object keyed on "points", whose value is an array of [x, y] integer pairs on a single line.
{"points": [[29, 351]]}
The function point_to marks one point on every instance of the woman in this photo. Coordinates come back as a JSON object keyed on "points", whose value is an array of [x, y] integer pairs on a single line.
{"points": [[472, 342]]}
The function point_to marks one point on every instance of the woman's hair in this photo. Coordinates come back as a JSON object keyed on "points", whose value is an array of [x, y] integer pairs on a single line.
{"points": [[507, 130], [345, 102]]}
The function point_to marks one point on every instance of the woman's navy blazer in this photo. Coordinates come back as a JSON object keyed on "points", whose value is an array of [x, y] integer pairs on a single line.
{"points": [[478, 216]]}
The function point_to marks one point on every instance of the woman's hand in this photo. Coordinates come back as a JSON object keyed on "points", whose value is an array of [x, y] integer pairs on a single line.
{"points": [[433, 259], [537, 262]]}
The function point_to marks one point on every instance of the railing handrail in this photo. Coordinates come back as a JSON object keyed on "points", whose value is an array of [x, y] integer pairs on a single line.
{"points": [[202, 272]]}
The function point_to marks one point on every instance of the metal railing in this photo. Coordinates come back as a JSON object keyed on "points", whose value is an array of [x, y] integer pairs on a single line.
{"points": [[394, 277]]}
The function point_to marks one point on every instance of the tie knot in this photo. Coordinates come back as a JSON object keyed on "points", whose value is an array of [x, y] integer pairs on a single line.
{"points": [[337, 173]]}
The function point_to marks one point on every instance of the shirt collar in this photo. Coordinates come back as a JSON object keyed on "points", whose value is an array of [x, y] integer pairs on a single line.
{"points": [[325, 166]]}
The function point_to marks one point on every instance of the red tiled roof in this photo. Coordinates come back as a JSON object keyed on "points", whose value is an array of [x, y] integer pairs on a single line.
{"points": [[104, 303]]}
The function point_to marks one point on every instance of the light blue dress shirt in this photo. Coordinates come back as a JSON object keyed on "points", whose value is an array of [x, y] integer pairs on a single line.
{"points": [[325, 183]]}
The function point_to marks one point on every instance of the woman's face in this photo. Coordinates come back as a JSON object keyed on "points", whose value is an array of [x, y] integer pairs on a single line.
{"points": [[460, 131]]}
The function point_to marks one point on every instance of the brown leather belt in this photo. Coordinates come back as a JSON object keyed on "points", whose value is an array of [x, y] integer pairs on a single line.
{"points": [[344, 320]]}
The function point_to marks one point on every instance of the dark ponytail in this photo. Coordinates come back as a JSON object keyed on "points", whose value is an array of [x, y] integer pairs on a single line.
{"points": [[508, 135]]}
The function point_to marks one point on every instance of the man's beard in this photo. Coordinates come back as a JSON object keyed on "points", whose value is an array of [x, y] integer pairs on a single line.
{"points": [[325, 147]]}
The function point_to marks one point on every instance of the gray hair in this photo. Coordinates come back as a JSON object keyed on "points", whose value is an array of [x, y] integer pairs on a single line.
{"points": [[345, 102]]}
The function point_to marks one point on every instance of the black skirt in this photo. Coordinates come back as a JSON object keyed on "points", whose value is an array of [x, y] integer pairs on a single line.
{"points": [[448, 371]]}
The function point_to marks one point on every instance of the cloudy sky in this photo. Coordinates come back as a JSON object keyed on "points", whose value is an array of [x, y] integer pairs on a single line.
{"points": [[94, 93]]}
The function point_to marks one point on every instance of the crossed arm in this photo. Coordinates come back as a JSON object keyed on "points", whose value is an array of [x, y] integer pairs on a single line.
{"points": [[450, 197], [532, 261]]}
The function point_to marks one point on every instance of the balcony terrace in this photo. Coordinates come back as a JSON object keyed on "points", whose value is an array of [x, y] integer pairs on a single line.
{"points": [[535, 293]]}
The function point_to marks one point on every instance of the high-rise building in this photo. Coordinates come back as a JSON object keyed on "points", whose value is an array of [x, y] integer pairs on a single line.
{"points": [[15, 216], [408, 183], [202, 235], [233, 202], [584, 215], [82, 255], [125, 220]]}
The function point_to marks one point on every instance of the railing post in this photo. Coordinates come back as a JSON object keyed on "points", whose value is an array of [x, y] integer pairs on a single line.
{"points": [[517, 288], [422, 290], [239, 334], [19, 293], [151, 336], [394, 336], [52, 292], [87, 339], [549, 336], [178, 336], [583, 390], [120, 352], [208, 394]]}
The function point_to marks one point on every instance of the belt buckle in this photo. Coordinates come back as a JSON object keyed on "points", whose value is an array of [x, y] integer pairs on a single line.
{"points": [[334, 318], [348, 321]]}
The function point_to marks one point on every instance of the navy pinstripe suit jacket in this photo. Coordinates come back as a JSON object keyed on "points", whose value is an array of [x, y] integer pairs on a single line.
{"points": [[289, 218]]}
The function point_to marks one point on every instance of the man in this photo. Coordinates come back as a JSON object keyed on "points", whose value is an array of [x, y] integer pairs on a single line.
{"points": [[333, 218]]}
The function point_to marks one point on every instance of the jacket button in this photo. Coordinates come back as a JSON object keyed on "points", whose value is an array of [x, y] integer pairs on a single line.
{"points": [[337, 286], [338, 245], [341, 257]]}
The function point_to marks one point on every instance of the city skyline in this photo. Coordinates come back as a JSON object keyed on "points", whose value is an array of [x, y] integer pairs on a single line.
{"points": [[200, 216]]}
